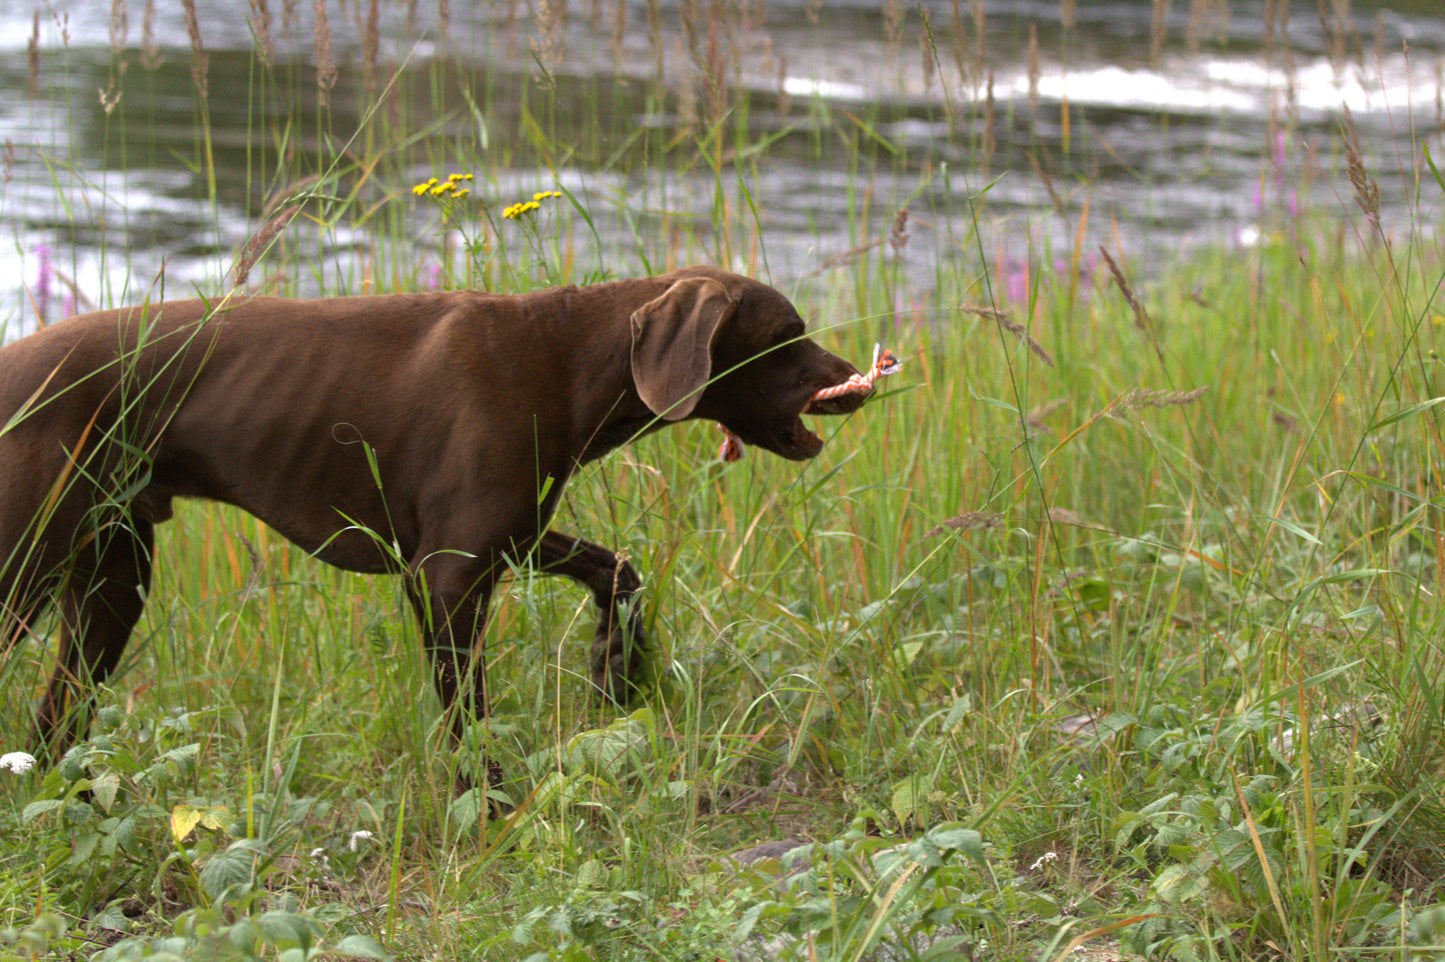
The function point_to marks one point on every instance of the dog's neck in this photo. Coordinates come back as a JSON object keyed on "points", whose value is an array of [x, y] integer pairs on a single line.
{"points": [[626, 418], [618, 413]]}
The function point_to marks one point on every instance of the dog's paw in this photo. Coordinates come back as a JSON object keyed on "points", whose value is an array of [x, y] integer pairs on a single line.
{"points": [[469, 798], [617, 659]]}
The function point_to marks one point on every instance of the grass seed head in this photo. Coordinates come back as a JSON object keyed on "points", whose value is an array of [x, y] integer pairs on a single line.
{"points": [[1145, 398], [200, 60], [967, 520], [325, 63], [260, 241]]}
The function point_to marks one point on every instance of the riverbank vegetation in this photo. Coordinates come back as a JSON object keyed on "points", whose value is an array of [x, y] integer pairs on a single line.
{"points": [[1113, 625]]}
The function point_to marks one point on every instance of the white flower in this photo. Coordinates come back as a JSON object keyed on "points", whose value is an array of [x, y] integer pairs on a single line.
{"points": [[17, 762], [354, 842], [1042, 859]]}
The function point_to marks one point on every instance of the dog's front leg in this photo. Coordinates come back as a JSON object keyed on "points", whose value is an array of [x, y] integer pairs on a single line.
{"points": [[451, 608], [619, 645]]}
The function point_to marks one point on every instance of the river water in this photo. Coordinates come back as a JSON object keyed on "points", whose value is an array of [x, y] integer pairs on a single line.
{"points": [[1010, 134]]}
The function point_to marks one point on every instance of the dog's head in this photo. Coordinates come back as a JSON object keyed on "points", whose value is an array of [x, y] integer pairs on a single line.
{"points": [[719, 346]]}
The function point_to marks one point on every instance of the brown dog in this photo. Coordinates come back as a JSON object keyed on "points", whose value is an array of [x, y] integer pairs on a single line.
{"points": [[426, 434]]}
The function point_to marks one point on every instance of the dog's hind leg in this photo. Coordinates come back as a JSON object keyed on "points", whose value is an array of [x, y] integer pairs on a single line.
{"points": [[100, 602], [619, 646]]}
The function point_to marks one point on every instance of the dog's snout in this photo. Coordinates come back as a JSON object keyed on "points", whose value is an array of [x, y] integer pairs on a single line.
{"points": [[837, 371], [842, 404]]}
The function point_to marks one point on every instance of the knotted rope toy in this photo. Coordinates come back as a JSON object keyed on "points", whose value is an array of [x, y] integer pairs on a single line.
{"points": [[884, 363]]}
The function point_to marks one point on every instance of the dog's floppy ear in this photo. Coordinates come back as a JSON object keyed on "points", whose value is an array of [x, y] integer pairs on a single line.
{"points": [[672, 344]]}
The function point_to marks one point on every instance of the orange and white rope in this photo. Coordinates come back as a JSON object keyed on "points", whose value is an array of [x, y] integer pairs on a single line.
{"points": [[884, 363]]}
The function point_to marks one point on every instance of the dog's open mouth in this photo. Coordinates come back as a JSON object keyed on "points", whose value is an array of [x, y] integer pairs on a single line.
{"points": [[789, 439], [792, 439], [804, 442], [798, 442]]}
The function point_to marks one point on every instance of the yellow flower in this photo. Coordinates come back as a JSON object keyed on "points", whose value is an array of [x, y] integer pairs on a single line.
{"points": [[461, 192], [527, 206], [431, 187], [520, 208]]}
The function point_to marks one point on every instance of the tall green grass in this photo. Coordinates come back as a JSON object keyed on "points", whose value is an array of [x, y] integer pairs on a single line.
{"points": [[1114, 620]]}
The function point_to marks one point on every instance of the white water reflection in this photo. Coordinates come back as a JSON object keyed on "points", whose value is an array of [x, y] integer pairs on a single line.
{"points": [[1209, 143]]}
